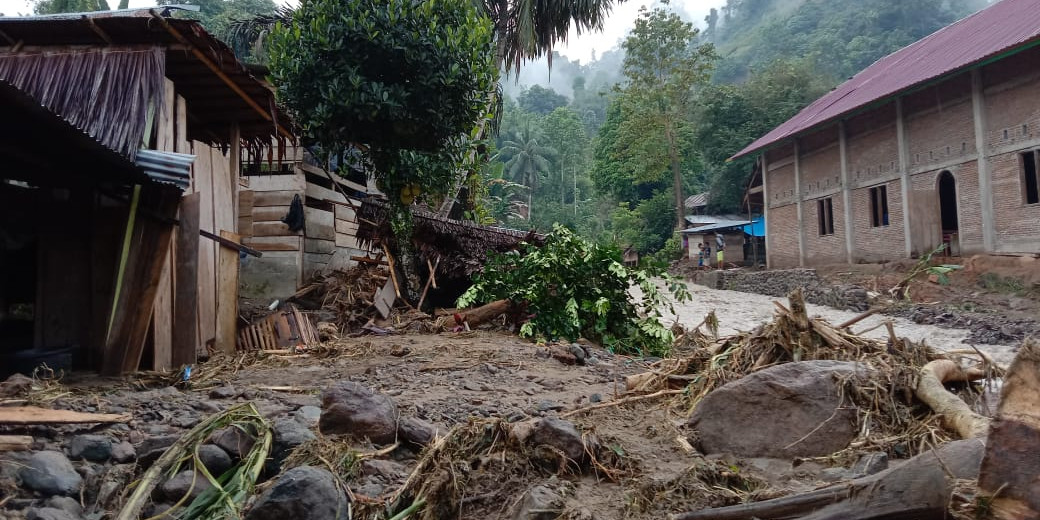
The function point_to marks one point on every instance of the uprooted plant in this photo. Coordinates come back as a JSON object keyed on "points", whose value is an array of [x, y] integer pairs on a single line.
{"points": [[573, 288]]}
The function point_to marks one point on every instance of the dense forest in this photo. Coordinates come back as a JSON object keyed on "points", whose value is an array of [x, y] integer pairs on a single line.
{"points": [[586, 151]]}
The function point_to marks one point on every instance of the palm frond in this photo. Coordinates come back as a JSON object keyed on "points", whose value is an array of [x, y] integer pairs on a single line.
{"points": [[246, 36]]}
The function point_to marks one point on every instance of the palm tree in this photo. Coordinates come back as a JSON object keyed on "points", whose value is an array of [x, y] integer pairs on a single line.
{"points": [[530, 159]]}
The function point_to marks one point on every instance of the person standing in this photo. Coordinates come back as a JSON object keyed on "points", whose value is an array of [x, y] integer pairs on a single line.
{"points": [[720, 245]]}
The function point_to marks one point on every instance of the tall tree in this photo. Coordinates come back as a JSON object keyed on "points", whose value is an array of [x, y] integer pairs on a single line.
{"points": [[564, 129], [665, 66], [541, 100], [530, 159]]}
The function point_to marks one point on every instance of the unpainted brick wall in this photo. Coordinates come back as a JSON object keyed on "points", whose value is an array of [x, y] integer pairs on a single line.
{"points": [[783, 232], [872, 244], [873, 154], [824, 249]]}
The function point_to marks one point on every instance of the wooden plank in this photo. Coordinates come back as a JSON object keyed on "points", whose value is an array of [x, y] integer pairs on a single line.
{"points": [[207, 278], [346, 227], [322, 193], [225, 216], [272, 229], [234, 170], [273, 198], [37, 415], [245, 203], [384, 299], [294, 182], [319, 224], [162, 317], [345, 213], [15, 443], [227, 294], [269, 213], [344, 240], [316, 245], [350, 185], [291, 243], [186, 284], [165, 132], [245, 226]]}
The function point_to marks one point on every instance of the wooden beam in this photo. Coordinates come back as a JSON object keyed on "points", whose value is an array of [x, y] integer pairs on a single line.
{"points": [[231, 244], [36, 415], [186, 280], [220, 74], [227, 293], [15, 443], [97, 30]]}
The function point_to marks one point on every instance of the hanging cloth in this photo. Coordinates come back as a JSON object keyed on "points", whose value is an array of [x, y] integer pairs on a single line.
{"points": [[294, 218]]}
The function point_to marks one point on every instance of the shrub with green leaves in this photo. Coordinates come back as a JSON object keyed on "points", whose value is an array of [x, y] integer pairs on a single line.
{"points": [[574, 288]]}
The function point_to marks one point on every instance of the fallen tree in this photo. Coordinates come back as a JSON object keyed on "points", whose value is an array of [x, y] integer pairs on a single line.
{"points": [[920, 489]]}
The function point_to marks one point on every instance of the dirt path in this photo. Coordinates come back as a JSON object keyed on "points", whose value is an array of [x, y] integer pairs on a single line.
{"points": [[739, 311]]}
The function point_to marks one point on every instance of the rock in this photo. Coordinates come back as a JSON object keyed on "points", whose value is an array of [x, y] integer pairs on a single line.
{"points": [[49, 513], [68, 504], [417, 431], [546, 406], [159, 510], [472, 387], [595, 398], [123, 452], [181, 484], [308, 415], [15, 386], [350, 408], [97, 448], [578, 352], [785, 411], [215, 459], [869, 464], [539, 503], [223, 392], [302, 492], [151, 448], [50, 473], [234, 441], [387, 469], [550, 431], [834, 474], [290, 433]]}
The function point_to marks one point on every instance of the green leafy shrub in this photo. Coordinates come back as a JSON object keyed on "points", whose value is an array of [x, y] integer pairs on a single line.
{"points": [[574, 288]]}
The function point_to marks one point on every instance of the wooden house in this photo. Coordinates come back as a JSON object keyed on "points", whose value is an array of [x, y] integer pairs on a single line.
{"points": [[132, 252], [325, 238]]}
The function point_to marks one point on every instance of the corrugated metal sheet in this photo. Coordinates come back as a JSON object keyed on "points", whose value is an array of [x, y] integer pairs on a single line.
{"points": [[697, 201], [166, 167], [726, 224], [999, 28]]}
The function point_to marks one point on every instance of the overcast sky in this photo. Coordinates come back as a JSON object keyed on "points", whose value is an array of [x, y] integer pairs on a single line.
{"points": [[577, 47]]}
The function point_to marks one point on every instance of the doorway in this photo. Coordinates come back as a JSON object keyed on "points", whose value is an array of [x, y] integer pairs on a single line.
{"points": [[947, 188]]}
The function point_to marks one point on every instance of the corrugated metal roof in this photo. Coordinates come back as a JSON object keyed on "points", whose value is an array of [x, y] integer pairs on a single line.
{"points": [[986, 34], [166, 167], [710, 219], [725, 224], [697, 200]]}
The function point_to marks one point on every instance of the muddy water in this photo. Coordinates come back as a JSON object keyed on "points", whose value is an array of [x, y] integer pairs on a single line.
{"points": [[738, 311]]}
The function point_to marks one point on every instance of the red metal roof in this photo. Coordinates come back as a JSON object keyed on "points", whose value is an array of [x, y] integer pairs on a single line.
{"points": [[985, 34]]}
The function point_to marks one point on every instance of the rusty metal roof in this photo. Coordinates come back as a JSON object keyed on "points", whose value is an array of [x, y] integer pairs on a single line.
{"points": [[1000, 28]]}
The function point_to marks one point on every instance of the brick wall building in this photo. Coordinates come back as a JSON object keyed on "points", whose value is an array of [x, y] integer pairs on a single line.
{"points": [[936, 143]]}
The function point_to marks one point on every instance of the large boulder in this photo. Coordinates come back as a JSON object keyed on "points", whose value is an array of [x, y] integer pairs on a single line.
{"points": [[96, 448], [352, 409], [549, 431], [784, 411], [50, 473], [302, 492]]}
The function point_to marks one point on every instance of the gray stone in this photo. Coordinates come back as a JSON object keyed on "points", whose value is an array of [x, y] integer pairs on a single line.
{"points": [[215, 459], [97, 448], [350, 408], [308, 415], [302, 492], [69, 504], [557, 433], [123, 452], [547, 406], [539, 503], [785, 411], [578, 352], [50, 473], [290, 433], [834, 474], [152, 447], [387, 469], [417, 431], [49, 513], [234, 441], [869, 464], [181, 484], [223, 392], [161, 508], [595, 398]]}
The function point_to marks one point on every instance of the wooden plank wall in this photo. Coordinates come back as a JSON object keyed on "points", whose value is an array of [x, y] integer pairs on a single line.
{"points": [[162, 317], [925, 220]]}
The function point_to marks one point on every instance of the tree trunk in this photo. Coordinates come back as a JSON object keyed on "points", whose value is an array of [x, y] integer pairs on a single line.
{"points": [[956, 414], [485, 313], [1008, 477], [919, 489]]}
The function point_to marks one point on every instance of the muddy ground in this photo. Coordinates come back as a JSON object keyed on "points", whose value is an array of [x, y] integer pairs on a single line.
{"points": [[452, 379]]}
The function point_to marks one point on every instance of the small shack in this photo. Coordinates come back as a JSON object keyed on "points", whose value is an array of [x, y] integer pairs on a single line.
{"points": [[320, 236], [704, 231], [118, 186]]}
